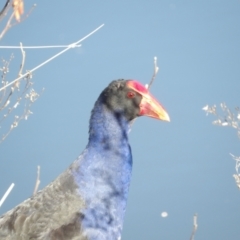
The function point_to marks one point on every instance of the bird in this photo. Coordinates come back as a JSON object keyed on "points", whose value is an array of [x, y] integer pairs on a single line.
{"points": [[88, 200]]}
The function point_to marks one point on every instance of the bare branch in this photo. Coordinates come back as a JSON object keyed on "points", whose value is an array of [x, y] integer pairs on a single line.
{"points": [[8, 25], [5, 9], [4, 70], [6, 194], [237, 179], [23, 60], [156, 68], [37, 181], [38, 47], [28, 94], [30, 98], [231, 119], [147, 85], [50, 59], [17, 11], [195, 226], [228, 119]]}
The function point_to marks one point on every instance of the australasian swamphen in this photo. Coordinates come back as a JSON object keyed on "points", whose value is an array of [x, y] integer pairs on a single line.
{"points": [[88, 200]]}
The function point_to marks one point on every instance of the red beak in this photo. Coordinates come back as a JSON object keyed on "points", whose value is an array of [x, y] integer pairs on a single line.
{"points": [[149, 106]]}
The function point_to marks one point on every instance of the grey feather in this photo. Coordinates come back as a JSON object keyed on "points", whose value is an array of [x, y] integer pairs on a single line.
{"points": [[51, 214]]}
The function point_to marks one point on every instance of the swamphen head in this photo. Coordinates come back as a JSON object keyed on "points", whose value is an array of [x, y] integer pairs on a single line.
{"points": [[131, 99]]}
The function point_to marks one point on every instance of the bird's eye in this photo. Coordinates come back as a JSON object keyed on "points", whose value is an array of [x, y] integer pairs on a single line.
{"points": [[131, 94]]}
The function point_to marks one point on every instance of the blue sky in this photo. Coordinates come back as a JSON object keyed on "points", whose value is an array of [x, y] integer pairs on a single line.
{"points": [[182, 167]]}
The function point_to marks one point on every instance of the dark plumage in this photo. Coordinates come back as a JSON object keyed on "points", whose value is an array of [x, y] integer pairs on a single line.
{"points": [[88, 200]]}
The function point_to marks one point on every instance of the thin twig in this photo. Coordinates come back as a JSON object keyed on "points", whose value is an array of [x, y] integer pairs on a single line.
{"points": [[9, 22], [5, 70], [8, 25], [37, 181], [231, 119], [4, 10], [23, 59], [195, 226], [6, 194], [147, 85], [16, 84], [38, 47], [51, 58], [31, 97], [156, 68]]}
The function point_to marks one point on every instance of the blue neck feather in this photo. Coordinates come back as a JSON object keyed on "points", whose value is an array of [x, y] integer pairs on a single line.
{"points": [[103, 174]]}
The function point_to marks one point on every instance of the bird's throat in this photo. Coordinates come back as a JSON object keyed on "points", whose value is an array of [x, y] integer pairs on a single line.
{"points": [[108, 129]]}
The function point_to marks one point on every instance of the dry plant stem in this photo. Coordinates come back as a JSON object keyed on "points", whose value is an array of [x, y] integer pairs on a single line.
{"points": [[28, 102], [237, 179], [37, 47], [4, 73], [156, 68], [6, 194], [37, 181], [229, 119], [25, 114], [8, 25], [16, 84], [195, 226], [50, 59], [6, 102], [5, 9], [23, 60], [28, 84], [150, 83]]}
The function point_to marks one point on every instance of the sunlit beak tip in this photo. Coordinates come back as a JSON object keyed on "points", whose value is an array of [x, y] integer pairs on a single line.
{"points": [[168, 119], [165, 117]]}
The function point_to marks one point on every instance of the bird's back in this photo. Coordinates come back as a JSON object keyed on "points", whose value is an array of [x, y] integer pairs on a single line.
{"points": [[52, 213]]}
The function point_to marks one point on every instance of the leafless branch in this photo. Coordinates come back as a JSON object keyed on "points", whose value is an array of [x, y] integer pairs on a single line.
{"points": [[38, 47], [3, 12], [23, 60], [228, 119], [231, 119], [17, 12], [195, 226], [150, 83], [28, 94], [30, 98], [156, 68], [50, 59], [7, 97], [16, 84], [6, 194], [37, 181], [237, 179], [8, 25]]}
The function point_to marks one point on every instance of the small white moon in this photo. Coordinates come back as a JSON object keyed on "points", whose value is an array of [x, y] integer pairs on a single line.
{"points": [[164, 214]]}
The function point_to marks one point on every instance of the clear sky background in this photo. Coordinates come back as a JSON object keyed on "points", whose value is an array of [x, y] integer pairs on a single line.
{"points": [[182, 167]]}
